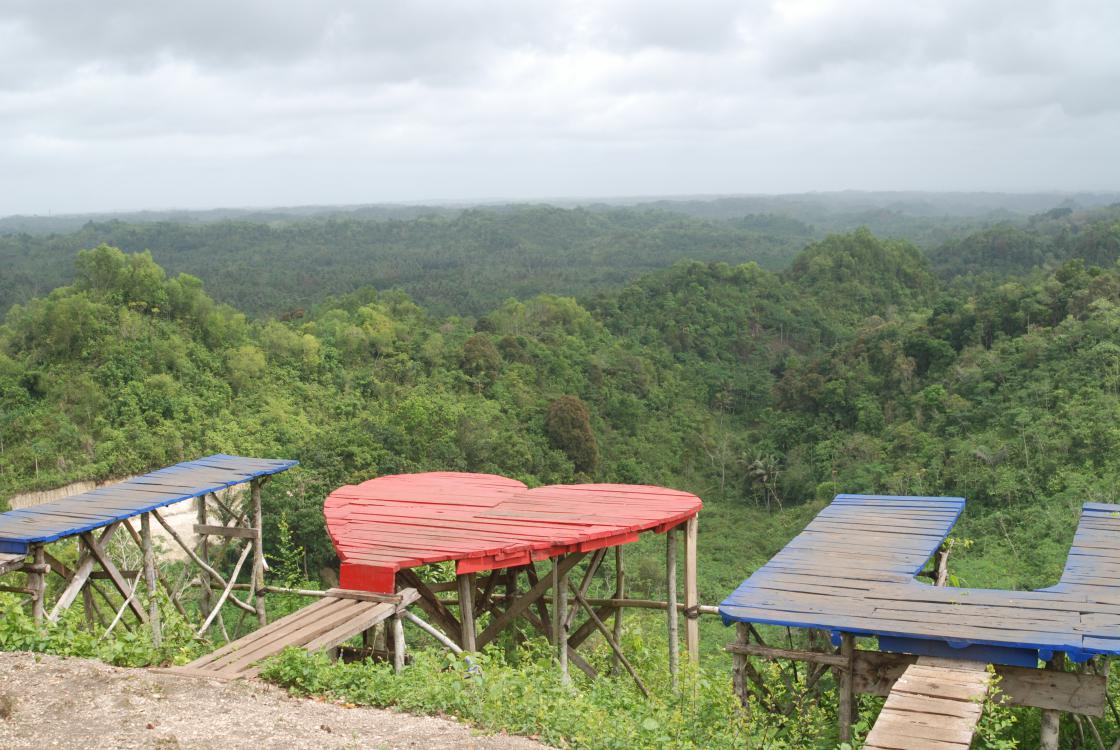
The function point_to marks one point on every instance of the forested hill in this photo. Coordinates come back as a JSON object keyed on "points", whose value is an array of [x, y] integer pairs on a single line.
{"points": [[853, 370]]}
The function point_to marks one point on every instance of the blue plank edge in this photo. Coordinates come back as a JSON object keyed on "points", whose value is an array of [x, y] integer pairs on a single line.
{"points": [[19, 544]]}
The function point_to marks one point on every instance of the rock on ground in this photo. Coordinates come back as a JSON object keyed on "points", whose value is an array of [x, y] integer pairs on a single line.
{"points": [[51, 702]]}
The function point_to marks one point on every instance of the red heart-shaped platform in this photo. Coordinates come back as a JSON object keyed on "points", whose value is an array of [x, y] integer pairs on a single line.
{"points": [[484, 522]]}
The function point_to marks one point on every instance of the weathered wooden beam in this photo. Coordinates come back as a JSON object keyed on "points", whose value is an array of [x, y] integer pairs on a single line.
{"points": [[171, 594], [1050, 725], [466, 611], [769, 652]]}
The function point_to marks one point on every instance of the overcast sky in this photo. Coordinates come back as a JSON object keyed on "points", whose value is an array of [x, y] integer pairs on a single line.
{"points": [[136, 104]]}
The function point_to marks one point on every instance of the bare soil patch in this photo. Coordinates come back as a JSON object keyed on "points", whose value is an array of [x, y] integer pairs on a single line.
{"points": [[51, 702]]}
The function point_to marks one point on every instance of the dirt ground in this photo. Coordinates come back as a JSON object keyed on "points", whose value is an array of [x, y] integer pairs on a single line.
{"points": [[49, 702]]}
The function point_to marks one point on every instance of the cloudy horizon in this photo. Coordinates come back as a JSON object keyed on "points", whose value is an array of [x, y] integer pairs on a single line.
{"points": [[135, 106]]}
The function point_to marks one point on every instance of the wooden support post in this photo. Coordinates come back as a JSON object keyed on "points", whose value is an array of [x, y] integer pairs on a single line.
{"points": [[435, 633], [199, 561], [203, 555], [847, 685], [739, 662], [466, 611], [150, 579], [615, 647], [258, 551], [671, 611], [560, 618], [1050, 733], [619, 593], [691, 592], [37, 581], [115, 576], [398, 643]]}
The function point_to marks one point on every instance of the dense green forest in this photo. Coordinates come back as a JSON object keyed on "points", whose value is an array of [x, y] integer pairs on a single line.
{"points": [[987, 366], [467, 261]]}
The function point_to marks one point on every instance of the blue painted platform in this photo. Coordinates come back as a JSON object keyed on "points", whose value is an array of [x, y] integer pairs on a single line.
{"points": [[853, 568], [74, 515]]}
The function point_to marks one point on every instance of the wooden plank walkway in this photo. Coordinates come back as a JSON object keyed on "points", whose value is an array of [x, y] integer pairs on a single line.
{"points": [[327, 623], [70, 516], [852, 570], [935, 705], [485, 522]]}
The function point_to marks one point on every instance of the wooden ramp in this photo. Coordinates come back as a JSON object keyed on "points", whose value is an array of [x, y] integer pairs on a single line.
{"points": [[327, 623], [935, 705]]}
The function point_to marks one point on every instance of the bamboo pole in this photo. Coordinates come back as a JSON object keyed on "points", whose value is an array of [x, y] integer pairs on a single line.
{"points": [[691, 591], [559, 617], [226, 591], [203, 556], [432, 631], [258, 552], [619, 593], [37, 580], [398, 643], [1050, 725], [739, 662], [671, 611], [150, 578]]}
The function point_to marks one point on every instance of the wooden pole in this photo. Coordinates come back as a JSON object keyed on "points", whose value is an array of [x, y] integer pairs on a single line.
{"points": [[432, 631], [203, 556], [207, 570], [258, 551], [1050, 733], [691, 591], [559, 618], [150, 579], [466, 611], [38, 581], [398, 643], [671, 612], [739, 662], [619, 593], [847, 685], [225, 592]]}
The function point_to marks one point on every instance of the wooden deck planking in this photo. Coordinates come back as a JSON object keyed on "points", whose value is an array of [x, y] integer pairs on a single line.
{"points": [[935, 705], [97, 508], [485, 522], [852, 569], [327, 623]]}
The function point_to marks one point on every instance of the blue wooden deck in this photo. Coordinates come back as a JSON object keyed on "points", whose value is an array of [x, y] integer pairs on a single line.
{"points": [[852, 570], [92, 510]]}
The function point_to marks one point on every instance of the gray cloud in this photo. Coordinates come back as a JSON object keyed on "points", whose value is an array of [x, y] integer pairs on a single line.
{"points": [[136, 104]]}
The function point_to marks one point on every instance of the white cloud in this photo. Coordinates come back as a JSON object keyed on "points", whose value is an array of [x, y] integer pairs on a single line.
{"points": [[137, 104]]}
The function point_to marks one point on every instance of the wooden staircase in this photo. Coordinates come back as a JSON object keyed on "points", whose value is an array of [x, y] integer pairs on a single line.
{"points": [[935, 705], [327, 623]]}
